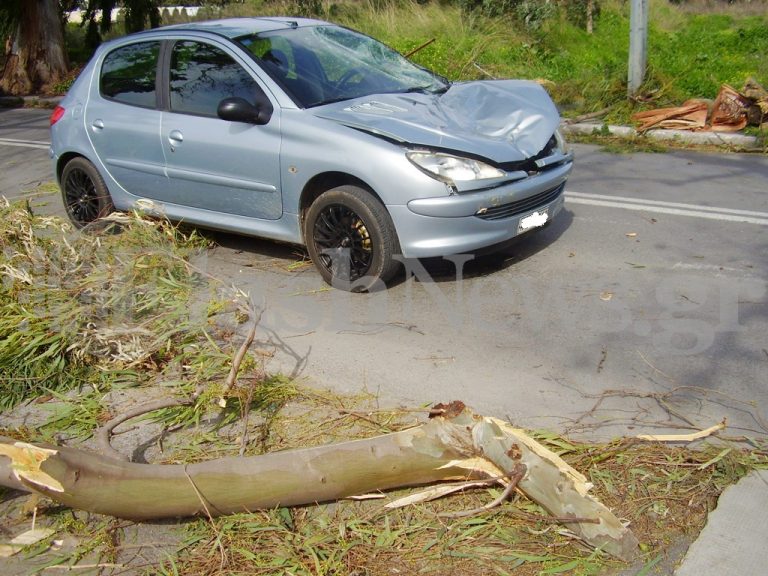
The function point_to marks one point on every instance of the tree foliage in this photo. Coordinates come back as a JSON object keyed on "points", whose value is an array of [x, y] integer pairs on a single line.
{"points": [[9, 17], [137, 14]]}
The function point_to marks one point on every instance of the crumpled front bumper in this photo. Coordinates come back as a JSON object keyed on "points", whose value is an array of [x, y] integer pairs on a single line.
{"points": [[458, 223]]}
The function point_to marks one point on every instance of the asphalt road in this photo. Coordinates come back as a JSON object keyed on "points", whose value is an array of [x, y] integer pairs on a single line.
{"points": [[643, 307]]}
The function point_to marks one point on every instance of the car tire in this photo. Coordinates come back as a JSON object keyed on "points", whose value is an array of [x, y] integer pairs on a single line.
{"points": [[351, 239], [86, 197]]}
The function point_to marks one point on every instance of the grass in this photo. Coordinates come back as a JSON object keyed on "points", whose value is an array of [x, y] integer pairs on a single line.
{"points": [[693, 47], [81, 299], [102, 304], [121, 306]]}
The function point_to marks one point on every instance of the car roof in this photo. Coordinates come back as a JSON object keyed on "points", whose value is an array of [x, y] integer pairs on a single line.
{"points": [[237, 27]]}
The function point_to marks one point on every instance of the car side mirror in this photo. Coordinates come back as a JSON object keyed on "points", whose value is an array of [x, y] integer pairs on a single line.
{"points": [[240, 110]]}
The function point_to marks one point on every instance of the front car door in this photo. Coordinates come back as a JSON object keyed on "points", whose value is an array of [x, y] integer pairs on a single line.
{"points": [[214, 164]]}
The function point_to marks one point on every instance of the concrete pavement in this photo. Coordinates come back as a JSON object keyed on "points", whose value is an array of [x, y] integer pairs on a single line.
{"points": [[735, 540]]}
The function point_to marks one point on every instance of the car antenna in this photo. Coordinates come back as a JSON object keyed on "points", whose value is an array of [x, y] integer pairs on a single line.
{"points": [[412, 52], [293, 24]]}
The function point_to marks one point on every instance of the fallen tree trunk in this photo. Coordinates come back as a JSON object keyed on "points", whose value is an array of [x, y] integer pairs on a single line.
{"points": [[458, 445]]}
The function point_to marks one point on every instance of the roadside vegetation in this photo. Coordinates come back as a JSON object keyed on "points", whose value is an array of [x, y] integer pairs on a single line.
{"points": [[96, 323], [694, 46], [123, 305]]}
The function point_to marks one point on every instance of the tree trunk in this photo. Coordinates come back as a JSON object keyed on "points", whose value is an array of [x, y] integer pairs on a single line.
{"points": [[459, 446], [35, 59], [590, 16]]}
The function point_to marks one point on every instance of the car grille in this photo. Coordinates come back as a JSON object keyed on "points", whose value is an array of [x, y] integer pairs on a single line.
{"points": [[521, 206], [529, 164]]}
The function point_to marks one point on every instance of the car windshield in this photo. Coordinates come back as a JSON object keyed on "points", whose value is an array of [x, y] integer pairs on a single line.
{"points": [[321, 64]]}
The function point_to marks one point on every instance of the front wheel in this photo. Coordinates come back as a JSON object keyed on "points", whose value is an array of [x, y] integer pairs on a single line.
{"points": [[84, 192], [351, 239]]}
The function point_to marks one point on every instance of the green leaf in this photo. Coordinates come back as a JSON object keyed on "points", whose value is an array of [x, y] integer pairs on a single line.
{"points": [[646, 569], [562, 567]]}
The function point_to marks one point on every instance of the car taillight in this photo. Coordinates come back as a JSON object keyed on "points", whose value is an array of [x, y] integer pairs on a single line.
{"points": [[56, 115]]}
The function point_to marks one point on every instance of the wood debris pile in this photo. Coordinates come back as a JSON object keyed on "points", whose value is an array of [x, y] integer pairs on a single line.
{"points": [[731, 111]]}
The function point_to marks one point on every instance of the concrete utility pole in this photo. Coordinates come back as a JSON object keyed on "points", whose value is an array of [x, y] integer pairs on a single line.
{"points": [[638, 45]]}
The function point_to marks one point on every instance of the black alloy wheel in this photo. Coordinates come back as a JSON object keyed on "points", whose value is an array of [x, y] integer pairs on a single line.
{"points": [[337, 230], [351, 239], [85, 195]]}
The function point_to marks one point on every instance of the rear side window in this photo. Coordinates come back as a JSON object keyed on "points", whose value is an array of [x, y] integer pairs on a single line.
{"points": [[203, 75], [128, 74]]}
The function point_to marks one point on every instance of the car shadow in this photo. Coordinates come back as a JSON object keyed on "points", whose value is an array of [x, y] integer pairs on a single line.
{"points": [[250, 252], [260, 248]]}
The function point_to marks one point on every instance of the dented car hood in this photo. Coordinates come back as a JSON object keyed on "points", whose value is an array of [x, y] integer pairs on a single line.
{"points": [[502, 120]]}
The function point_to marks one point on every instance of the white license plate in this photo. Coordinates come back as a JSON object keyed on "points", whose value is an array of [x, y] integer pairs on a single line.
{"points": [[538, 218]]}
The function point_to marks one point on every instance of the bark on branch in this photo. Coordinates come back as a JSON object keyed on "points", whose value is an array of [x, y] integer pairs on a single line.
{"points": [[457, 445]]}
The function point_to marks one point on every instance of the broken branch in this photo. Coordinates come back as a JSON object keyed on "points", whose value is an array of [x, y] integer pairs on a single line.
{"points": [[457, 446], [104, 433], [514, 477], [238, 359], [683, 437], [420, 47]]}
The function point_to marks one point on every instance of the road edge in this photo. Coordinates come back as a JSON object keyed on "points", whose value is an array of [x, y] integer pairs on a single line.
{"points": [[728, 140]]}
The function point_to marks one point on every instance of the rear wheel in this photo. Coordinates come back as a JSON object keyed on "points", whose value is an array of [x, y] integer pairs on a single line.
{"points": [[84, 192], [351, 239]]}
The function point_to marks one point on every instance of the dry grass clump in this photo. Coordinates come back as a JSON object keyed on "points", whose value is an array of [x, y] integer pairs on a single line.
{"points": [[76, 307], [126, 303]]}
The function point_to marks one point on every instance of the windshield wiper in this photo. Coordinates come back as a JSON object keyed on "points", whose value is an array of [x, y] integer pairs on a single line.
{"points": [[425, 90], [415, 89]]}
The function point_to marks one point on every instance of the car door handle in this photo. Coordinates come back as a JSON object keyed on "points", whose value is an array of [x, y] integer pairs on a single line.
{"points": [[98, 124], [175, 137]]}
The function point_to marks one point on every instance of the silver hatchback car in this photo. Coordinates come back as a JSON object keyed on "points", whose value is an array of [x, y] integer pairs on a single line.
{"points": [[306, 132]]}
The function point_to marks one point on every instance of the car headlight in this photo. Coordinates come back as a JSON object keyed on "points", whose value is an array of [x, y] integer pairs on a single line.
{"points": [[452, 169], [562, 147]]}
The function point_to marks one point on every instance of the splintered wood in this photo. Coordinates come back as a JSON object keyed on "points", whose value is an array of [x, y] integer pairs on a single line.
{"points": [[731, 111]]}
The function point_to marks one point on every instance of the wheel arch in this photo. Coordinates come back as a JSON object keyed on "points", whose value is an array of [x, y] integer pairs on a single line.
{"points": [[63, 160], [327, 181]]}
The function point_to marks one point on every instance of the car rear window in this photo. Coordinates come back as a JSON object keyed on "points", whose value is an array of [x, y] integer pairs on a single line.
{"points": [[128, 74]]}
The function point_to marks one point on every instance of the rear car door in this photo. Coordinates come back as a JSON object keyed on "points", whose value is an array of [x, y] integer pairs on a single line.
{"points": [[123, 121], [214, 164]]}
